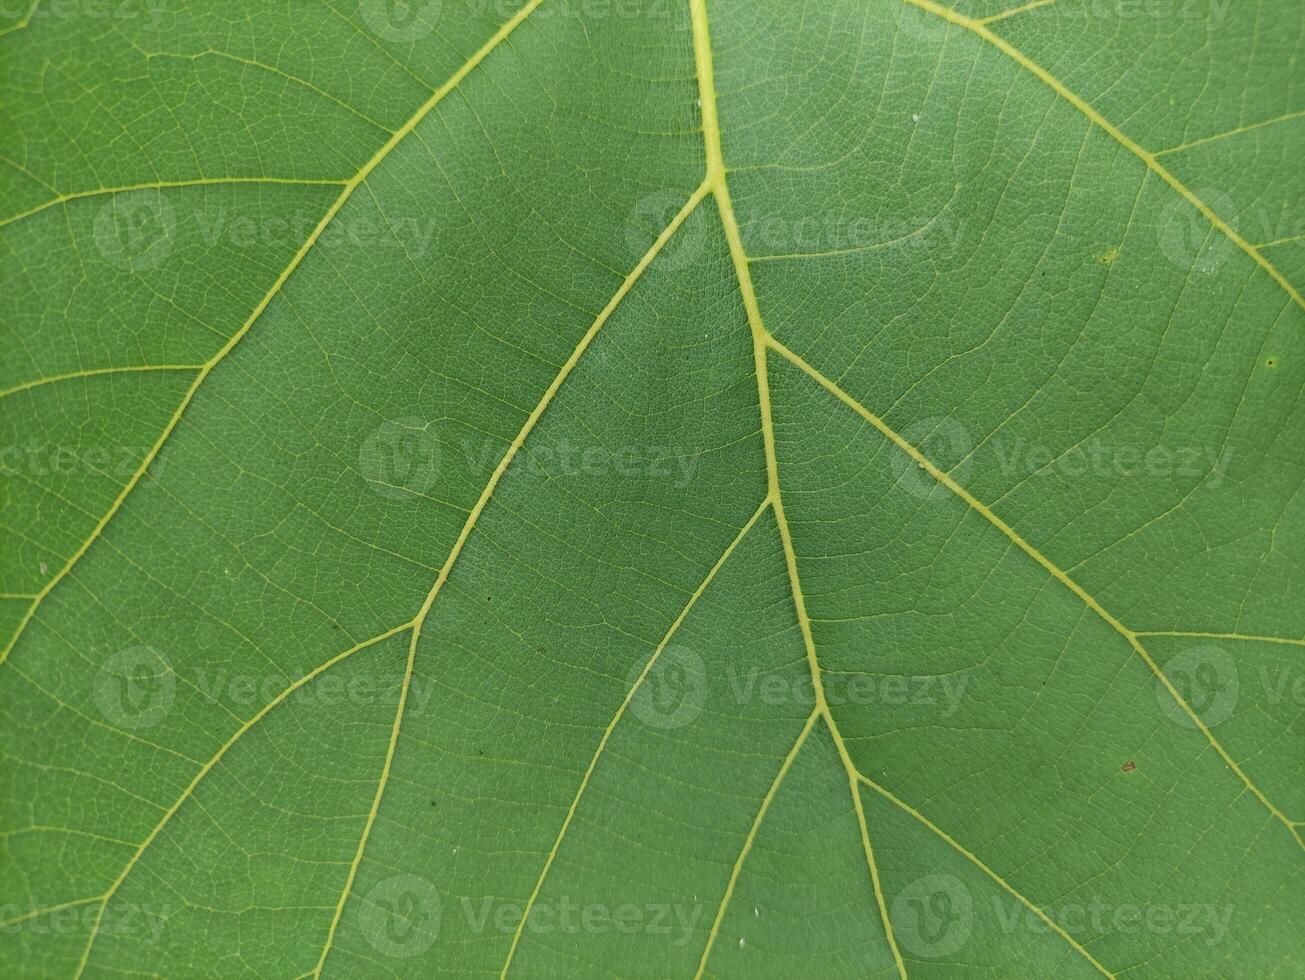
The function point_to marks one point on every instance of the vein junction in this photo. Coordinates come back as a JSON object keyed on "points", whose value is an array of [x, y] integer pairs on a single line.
{"points": [[715, 185], [764, 342]]}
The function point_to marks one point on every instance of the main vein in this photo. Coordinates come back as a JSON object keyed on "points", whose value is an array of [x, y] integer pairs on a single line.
{"points": [[763, 341], [719, 185], [716, 185]]}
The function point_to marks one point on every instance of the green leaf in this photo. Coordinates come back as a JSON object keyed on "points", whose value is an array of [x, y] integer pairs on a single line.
{"points": [[662, 488]]}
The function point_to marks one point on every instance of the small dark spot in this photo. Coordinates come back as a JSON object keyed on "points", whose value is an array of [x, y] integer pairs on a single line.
{"points": [[1271, 362], [433, 803], [489, 598], [1129, 766]]}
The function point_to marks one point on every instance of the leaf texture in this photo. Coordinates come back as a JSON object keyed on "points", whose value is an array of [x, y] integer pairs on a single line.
{"points": [[695, 488]]}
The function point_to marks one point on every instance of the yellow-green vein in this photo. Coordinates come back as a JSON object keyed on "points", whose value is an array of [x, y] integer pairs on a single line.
{"points": [[1024, 61], [974, 859], [204, 770], [716, 179], [611, 726], [166, 185], [469, 526], [751, 837], [96, 373], [1051, 568], [350, 186]]}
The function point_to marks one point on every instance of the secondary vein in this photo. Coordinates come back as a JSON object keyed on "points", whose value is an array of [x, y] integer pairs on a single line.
{"points": [[719, 185], [1147, 157], [616, 718], [1047, 564], [350, 186], [470, 525]]}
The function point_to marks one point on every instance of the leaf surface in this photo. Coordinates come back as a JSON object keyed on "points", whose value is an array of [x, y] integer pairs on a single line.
{"points": [[710, 488]]}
